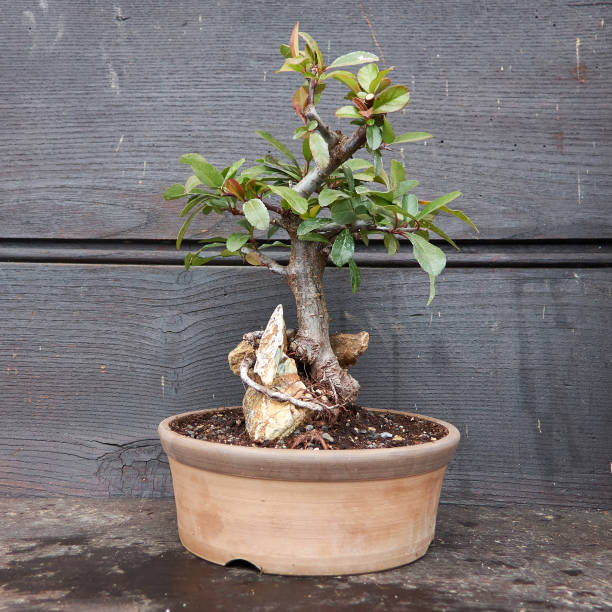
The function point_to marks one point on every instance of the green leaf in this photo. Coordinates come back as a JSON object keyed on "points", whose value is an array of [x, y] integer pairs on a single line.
{"points": [[294, 199], [174, 192], [377, 160], [353, 59], [398, 174], [311, 225], [328, 196], [403, 188], [277, 145], [186, 224], [296, 64], [438, 203], [345, 77], [460, 215], [412, 205], [256, 213], [348, 174], [374, 85], [387, 132], [306, 152], [276, 243], [355, 275], [366, 76], [299, 132], [319, 149], [194, 260], [314, 237], [343, 213], [279, 167], [412, 137], [314, 46], [434, 228], [348, 111], [356, 163], [373, 137], [206, 172], [343, 249], [391, 99], [253, 172], [391, 244], [230, 172], [430, 257], [236, 241], [191, 182], [432, 288], [193, 201], [285, 51]]}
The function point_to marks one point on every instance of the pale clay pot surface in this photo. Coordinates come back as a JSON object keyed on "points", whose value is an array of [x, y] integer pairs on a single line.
{"points": [[304, 512]]}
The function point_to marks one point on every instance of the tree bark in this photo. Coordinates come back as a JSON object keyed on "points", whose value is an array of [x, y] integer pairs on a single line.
{"points": [[311, 344]]}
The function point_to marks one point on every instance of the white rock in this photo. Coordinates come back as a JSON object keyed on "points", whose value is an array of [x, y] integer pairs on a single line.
{"points": [[272, 347], [266, 418]]}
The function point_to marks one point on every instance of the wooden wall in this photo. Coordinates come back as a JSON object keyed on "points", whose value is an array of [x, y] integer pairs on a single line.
{"points": [[105, 334]]}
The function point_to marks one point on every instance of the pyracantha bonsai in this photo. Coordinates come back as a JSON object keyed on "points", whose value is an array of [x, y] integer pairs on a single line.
{"points": [[324, 204]]}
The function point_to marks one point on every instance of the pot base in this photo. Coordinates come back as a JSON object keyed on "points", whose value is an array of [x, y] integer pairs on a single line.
{"points": [[306, 528]]}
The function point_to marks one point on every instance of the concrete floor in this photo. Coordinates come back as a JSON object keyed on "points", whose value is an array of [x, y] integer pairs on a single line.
{"points": [[93, 555]]}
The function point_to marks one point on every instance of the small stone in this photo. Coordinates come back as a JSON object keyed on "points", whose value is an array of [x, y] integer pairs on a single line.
{"points": [[327, 437], [362, 431], [349, 347], [398, 439], [371, 428], [432, 438], [309, 427], [236, 357], [325, 427], [386, 434]]}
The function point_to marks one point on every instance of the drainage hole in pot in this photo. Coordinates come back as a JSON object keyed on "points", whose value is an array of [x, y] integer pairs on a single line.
{"points": [[243, 564]]}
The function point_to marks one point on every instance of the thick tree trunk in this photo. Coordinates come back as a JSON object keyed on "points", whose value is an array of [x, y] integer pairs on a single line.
{"points": [[311, 343]]}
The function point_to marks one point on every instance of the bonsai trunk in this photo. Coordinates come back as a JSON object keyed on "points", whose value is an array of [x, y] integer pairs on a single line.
{"points": [[311, 344]]}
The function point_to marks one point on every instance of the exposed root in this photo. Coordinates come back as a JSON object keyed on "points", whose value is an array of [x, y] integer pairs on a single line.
{"points": [[307, 437], [247, 363]]}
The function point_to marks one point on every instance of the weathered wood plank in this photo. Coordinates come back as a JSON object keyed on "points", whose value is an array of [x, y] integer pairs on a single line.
{"points": [[124, 555], [530, 253], [93, 357], [99, 100]]}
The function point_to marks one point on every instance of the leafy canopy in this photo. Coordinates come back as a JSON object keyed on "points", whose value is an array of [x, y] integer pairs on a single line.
{"points": [[358, 199]]}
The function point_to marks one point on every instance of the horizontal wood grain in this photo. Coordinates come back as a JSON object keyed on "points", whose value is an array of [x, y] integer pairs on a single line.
{"points": [[98, 100], [519, 253], [92, 357]]}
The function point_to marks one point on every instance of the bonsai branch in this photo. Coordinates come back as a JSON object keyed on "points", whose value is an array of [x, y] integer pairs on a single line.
{"points": [[273, 208], [267, 261], [248, 362], [344, 149], [310, 113], [334, 228]]}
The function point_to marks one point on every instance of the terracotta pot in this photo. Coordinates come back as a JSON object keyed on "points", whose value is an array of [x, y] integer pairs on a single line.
{"points": [[305, 512]]}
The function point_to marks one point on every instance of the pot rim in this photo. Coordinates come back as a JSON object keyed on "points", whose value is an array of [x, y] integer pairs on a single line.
{"points": [[305, 465]]}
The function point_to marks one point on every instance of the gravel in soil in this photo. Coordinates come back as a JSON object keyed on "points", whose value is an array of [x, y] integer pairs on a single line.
{"points": [[355, 428]]}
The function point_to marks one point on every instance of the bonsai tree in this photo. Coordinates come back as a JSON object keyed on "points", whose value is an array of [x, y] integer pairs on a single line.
{"points": [[324, 203]]}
